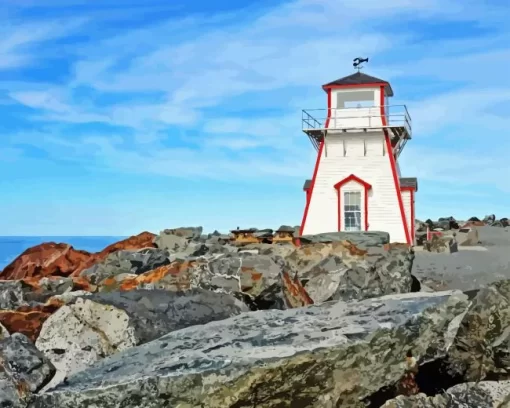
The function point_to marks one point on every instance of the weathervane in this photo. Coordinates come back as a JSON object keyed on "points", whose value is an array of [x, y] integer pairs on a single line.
{"points": [[356, 63]]}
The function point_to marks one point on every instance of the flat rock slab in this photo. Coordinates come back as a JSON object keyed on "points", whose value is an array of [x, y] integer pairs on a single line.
{"points": [[319, 356], [92, 327]]}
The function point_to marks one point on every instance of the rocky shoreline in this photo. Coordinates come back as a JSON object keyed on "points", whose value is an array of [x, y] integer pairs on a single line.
{"points": [[183, 319]]}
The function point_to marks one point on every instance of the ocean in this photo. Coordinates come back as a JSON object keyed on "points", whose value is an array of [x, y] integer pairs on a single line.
{"points": [[11, 247]]}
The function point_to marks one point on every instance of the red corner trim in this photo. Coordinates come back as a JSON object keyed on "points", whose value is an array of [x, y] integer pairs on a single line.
{"points": [[366, 187], [389, 150]]}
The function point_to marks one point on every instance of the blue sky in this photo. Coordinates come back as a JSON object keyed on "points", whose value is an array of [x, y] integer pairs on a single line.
{"points": [[118, 118]]}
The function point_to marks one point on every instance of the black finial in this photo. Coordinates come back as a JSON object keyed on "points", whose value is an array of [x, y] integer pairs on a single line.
{"points": [[356, 62]]}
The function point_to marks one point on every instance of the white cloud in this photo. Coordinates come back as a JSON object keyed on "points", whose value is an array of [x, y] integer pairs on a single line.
{"points": [[194, 67]]}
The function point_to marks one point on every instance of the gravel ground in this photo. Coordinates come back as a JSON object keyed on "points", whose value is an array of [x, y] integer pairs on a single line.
{"points": [[468, 269]]}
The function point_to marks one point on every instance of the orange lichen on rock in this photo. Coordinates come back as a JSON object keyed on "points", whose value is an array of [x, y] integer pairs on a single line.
{"points": [[28, 320], [294, 292], [176, 276], [46, 259], [79, 283], [142, 240], [350, 247], [58, 259]]}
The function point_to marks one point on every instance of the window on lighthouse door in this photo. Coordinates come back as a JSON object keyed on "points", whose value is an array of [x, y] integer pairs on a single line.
{"points": [[352, 211]]}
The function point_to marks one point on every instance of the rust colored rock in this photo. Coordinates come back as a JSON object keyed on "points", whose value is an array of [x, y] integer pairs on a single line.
{"points": [[79, 283], [46, 259], [58, 259], [142, 240], [28, 320], [294, 293], [175, 276]]}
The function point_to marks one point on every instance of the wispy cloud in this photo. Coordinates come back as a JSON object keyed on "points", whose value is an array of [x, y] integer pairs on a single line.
{"points": [[168, 87]]}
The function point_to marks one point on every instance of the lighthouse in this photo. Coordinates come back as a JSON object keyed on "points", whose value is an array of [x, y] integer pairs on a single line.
{"points": [[356, 183]]}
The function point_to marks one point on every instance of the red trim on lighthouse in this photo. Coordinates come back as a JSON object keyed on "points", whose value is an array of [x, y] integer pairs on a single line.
{"points": [[366, 187], [411, 198], [373, 85], [315, 171], [393, 165]]}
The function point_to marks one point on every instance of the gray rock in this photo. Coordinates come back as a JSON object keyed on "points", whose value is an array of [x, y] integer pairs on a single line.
{"points": [[25, 367], [154, 313], [242, 272], [130, 262], [340, 272], [11, 295], [320, 356], [482, 344], [485, 394], [363, 239], [91, 328], [170, 242], [9, 397]]}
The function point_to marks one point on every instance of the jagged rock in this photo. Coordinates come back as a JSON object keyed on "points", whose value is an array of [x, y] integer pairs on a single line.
{"points": [[93, 327], [11, 295], [23, 370], [170, 242], [342, 271], [247, 273], [28, 319], [41, 289], [485, 394], [190, 233], [320, 356], [363, 239], [57, 259], [482, 343], [229, 273], [130, 262]]}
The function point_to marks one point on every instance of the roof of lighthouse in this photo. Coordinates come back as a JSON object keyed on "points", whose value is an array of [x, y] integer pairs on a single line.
{"points": [[359, 78]]}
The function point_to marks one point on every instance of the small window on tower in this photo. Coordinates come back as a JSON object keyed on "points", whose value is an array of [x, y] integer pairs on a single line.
{"points": [[355, 99]]}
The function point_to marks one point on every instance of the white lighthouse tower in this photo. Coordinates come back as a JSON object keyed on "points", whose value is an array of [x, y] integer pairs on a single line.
{"points": [[356, 184]]}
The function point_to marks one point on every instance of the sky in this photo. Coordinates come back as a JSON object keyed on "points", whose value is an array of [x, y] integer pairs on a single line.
{"points": [[118, 117]]}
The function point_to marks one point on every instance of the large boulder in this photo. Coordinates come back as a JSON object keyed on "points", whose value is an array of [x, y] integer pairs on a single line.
{"points": [[28, 319], [23, 370], [343, 271], [46, 259], [363, 239], [127, 262], [58, 259], [323, 356], [485, 394], [93, 327], [482, 344]]}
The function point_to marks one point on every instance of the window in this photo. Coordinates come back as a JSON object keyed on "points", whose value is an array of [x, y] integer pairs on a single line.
{"points": [[355, 99], [352, 210]]}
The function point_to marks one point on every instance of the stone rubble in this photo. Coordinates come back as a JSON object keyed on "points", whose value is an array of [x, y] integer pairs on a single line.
{"points": [[190, 319]]}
